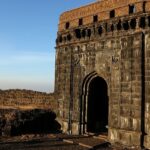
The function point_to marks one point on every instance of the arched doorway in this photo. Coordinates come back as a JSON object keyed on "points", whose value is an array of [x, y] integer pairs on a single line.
{"points": [[97, 106], [94, 105]]}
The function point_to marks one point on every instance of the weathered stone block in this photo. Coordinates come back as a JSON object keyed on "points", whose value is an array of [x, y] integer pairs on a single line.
{"points": [[64, 126], [75, 128], [136, 124], [113, 135], [124, 122], [146, 141], [125, 138], [135, 139]]}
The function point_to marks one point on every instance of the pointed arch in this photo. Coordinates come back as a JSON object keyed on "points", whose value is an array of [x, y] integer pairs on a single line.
{"points": [[87, 88]]}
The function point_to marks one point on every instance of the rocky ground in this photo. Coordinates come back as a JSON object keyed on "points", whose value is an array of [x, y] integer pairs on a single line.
{"points": [[54, 142], [38, 129], [18, 122]]}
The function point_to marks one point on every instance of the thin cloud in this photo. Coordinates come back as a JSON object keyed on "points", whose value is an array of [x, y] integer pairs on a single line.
{"points": [[27, 58]]}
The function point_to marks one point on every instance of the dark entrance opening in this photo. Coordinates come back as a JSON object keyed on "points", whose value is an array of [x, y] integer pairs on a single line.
{"points": [[97, 111]]}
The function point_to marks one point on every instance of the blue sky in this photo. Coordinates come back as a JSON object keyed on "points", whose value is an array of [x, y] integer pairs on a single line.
{"points": [[28, 31]]}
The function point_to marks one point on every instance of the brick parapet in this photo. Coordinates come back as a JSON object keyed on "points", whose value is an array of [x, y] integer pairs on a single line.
{"points": [[102, 9]]}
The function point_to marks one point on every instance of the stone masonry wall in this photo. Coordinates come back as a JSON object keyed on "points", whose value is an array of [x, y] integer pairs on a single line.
{"points": [[115, 49], [147, 90]]}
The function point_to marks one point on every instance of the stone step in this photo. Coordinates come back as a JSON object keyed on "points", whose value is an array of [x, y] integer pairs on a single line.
{"points": [[87, 141]]}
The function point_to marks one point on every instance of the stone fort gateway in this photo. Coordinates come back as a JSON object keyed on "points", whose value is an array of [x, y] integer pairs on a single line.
{"points": [[102, 76]]}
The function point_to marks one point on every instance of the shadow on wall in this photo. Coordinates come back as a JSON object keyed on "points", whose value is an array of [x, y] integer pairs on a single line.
{"points": [[35, 121]]}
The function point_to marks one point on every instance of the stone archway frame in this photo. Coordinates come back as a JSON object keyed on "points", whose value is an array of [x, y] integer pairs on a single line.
{"points": [[84, 98]]}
